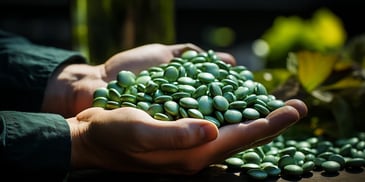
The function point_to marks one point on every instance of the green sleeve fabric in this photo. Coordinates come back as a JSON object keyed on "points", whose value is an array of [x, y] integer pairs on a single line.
{"points": [[31, 142], [25, 69], [34, 143]]}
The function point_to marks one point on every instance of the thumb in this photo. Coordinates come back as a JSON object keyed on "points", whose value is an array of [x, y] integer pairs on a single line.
{"points": [[179, 134]]}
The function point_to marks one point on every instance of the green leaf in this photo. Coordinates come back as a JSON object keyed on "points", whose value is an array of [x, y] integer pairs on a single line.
{"points": [[314, 68], [345, 83]]}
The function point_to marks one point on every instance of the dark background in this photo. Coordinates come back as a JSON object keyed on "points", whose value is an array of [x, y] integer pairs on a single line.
{"points": [[48, 22]]}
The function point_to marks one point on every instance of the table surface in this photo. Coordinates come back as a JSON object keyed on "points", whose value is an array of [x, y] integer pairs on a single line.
{"points": [[214, 173]]}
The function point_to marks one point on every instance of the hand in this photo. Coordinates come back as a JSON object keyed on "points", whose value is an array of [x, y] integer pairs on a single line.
{"points": [[72, 86], [129, 140]]}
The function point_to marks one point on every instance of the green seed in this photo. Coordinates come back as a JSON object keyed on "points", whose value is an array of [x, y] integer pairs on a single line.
{"points": [[272, 170], [251, 157], [186, 81], [215, 89], [233, 116], [250, 113], [234, 162], [127, 104], [126, 78], [261, 109], [172, 107], [200, 91], [260, 89], [189, 54], [258, 174], [143, 105], [308, 166], [100, 102], [355, 162], [247, 166], [162, 99], [155, 108], [170, 88], [179, 95], [274, 104], [143, 79], [285, 160], [220, 103], [112, 105], [186, 88], [230, 97], [161, 116], [101, 92], [213, 120], [205, 105], [293, 170], [331, 166], [171, 73], [114, 95], [128, 98], [195, 113], [205, 77], [189, 103]]}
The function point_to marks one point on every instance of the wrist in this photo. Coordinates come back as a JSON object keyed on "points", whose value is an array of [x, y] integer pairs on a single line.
{"points": [[79, 153]]}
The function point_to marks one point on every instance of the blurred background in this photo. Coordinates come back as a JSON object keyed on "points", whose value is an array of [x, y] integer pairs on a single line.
{"points": [[308, 49], [230, 25]]}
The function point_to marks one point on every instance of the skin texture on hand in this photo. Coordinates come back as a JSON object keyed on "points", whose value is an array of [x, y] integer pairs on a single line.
{"points": [[73, 85], [129, 140]]}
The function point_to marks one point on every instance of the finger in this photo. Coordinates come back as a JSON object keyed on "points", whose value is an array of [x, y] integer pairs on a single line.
{"points": [[240, 136], [299, 105], [228, 58], [178, 49], [180, 134], [233, 138]]}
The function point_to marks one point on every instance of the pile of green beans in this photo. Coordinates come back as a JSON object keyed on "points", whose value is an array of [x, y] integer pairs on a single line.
{"points": [[194, 85], [296, 158]]}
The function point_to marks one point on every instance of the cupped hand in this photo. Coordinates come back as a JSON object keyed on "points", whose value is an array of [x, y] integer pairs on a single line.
{"points": [[72, 86], [144, 57], [129, 140]]}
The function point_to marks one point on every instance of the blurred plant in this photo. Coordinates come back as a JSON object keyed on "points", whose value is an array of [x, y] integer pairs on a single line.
{"points": [[309, 60], [323, 32]]}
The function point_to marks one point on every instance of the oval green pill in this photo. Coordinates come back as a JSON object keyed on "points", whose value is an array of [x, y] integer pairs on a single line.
{"points": [[205, 77], [126, 78], [258, 174], [100, 102], [171, 107], [114, 95], [331, 166], [112, 104], [171, 73], [189, 54], [101, 92], [189, 103], [234, 162], [195, 113], [250, 113], [213, 120], [220, 103], [205, 105], [162, 117], [232, 116], [293, 170]]}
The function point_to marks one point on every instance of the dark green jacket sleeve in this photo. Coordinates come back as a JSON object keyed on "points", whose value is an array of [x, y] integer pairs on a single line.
{"points": [[34, 143], [25, 69], [31, 141]]}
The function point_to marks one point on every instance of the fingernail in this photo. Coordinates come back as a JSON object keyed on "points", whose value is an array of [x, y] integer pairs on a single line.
{"points": [[208, 132]]}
